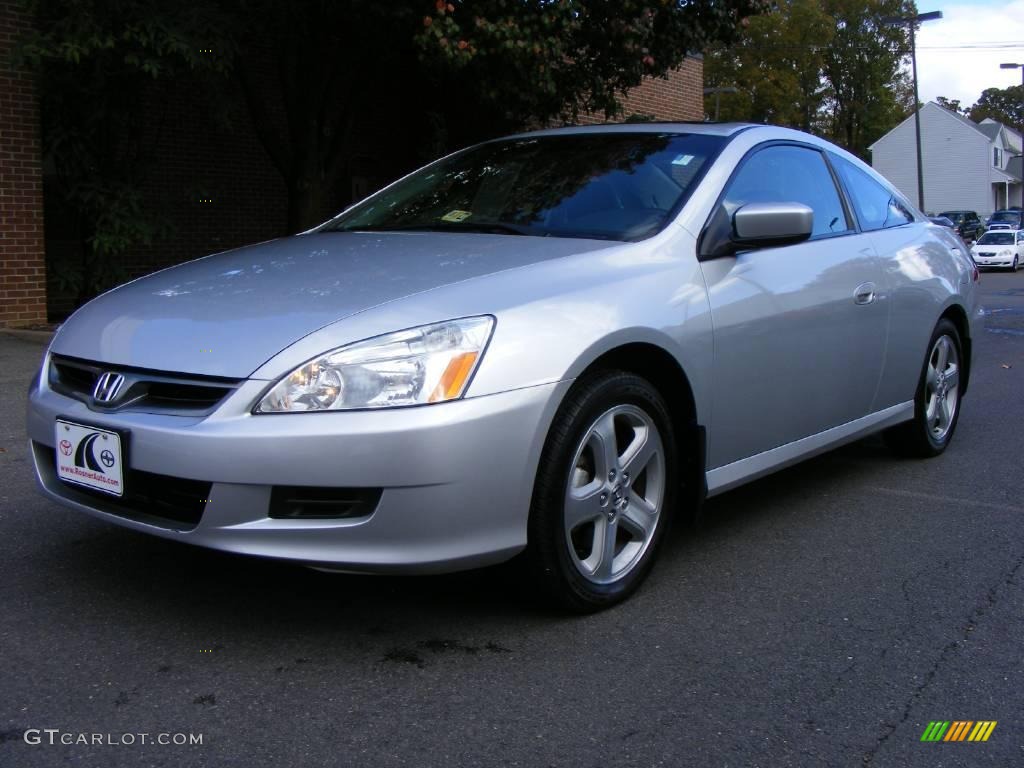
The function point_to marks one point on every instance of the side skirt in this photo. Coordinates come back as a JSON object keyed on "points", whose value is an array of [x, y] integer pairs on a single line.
{"points": [[738, 472]]}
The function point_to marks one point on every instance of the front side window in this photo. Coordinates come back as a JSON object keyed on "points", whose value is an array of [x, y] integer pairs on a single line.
{"points": [[612, 186], [788, 174], [877, 206]]}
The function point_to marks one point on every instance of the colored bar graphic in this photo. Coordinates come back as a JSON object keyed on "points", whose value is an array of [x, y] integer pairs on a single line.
{"points": [[935, 730], [958, 730]]}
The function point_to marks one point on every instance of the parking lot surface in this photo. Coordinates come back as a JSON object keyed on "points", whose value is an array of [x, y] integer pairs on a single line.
{"points": [[822, 616]]}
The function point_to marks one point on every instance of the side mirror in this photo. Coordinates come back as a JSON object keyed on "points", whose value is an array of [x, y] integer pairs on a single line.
{"points": [[754, 225], [759, 225]]}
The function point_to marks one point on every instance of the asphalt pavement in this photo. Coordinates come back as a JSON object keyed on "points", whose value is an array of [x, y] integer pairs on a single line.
{"points": [[823, 616]]}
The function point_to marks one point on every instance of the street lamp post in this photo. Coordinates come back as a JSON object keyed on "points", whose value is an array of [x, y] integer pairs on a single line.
{"points": [[912, 22], [718, 91]]}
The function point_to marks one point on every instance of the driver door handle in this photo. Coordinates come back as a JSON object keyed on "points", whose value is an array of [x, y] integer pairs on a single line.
{"points": [[865, 293]]}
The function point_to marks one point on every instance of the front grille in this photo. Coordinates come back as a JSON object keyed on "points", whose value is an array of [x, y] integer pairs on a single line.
{"points": [[307, 503], [143, 390], [170, 502]]}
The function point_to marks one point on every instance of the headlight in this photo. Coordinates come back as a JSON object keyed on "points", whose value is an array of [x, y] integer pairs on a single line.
{"points": [[1007, 252], [429, 364]]}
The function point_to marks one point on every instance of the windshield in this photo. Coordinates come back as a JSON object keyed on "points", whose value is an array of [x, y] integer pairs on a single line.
{"points": [[957, 216], [1006, 216], [996, 238], [612, 186]]}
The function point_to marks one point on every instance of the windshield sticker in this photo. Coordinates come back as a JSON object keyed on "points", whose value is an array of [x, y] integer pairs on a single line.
{"points": [[682, 160], [456, 216]]}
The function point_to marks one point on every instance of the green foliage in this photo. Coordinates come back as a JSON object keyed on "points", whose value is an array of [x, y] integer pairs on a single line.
{"points": [[829, 67], [776, 67], [1004, 105], [94, 60], [309, 74], [953, 105], [572, 55], [868, 91], [149, 36]]}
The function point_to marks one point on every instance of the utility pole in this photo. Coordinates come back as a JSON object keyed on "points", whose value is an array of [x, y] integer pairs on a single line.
{"points": [[912, 22]]}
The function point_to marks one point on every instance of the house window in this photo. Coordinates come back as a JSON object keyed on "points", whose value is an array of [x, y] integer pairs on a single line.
{"points": [[996, 157]]}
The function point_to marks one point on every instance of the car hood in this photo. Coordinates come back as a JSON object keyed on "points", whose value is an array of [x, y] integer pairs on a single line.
{"points": [[227, 314]]}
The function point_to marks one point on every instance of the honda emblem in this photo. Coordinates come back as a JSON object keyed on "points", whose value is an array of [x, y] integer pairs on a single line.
{"points": [[107, 388]]}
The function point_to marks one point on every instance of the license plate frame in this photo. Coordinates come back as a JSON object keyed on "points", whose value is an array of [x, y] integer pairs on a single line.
{"points": [[98, 468]]}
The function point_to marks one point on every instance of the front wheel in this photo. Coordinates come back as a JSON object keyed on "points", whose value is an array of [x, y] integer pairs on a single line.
{"points": [[1014, 268], [604, 493], [937, 400]]}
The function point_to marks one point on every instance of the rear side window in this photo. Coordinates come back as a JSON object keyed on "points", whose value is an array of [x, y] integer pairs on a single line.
{"points": [[787, 174], [877, 206]]}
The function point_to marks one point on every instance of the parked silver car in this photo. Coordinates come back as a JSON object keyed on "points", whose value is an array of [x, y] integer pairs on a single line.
{"points": [[549, 345]]}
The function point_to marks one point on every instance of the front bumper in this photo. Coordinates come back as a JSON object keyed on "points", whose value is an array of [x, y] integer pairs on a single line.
{"points": [[993, 261], [455, 478]]}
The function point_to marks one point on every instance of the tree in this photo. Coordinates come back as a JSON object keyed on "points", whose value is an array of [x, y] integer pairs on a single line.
{"points": [[94, 62], [775, 66], [1004, 105], [867, 88], [953, 105], [307, 72], [831, 67]]}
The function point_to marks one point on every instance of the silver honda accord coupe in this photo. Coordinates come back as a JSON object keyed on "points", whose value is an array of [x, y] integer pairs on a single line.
{"points": [[549, 345]]}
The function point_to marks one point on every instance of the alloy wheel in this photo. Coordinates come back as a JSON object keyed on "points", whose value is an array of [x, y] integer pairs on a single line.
{"points": [[615, 494], [942, 387]]}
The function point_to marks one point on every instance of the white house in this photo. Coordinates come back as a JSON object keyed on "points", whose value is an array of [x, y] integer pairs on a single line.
{"points": [[967, 165]]}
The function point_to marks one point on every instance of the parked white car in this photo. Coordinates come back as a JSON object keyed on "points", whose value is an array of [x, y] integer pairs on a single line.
{"points": [[999, 248]]}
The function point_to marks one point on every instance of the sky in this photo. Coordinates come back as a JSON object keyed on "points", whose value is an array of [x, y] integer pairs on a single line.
{"points": [[959, 55]]}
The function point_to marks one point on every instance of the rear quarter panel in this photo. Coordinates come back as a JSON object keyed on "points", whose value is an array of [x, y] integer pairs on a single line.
{"points": [[924, 278]]}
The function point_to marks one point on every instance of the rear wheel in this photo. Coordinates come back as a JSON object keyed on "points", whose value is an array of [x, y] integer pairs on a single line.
{"points": [[937, 401], [604, 494]]}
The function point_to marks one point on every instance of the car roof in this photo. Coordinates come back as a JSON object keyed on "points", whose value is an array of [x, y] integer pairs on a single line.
{"points": [[712, 129]]}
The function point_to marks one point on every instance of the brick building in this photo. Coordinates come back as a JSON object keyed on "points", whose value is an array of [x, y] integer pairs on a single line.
{"points": [[216, 188], [22, 269], [680, 96]]}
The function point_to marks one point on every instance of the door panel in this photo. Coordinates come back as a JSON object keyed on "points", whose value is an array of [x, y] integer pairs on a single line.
{"points": [[799, 331], [797, 348]]}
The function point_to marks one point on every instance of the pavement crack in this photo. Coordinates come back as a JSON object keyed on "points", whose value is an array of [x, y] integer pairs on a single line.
{"points": [[990, 599]]}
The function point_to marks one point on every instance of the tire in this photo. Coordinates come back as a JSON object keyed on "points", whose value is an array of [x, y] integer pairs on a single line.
{"points": [[936, 400], [1015, 266], [588, 486]]}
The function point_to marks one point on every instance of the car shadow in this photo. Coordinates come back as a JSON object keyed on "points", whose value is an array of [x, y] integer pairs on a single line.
{"points": [[171, 581]]}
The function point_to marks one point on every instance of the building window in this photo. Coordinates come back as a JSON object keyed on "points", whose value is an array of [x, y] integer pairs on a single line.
{"points": [[996, 157]]}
